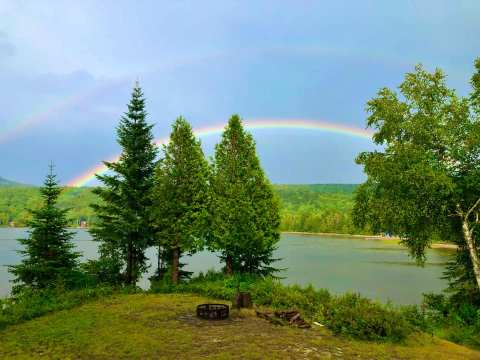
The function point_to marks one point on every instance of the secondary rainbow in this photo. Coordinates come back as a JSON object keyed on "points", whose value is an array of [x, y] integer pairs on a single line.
{"points": [[23, 125], [254, 124]]}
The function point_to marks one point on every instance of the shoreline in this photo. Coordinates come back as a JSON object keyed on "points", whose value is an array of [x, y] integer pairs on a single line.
{"points": [[439, 245]]}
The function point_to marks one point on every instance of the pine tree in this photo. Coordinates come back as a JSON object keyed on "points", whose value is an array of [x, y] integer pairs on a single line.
{"points": [[124, 228], [180, 197], [244, 211], [48, 251]]}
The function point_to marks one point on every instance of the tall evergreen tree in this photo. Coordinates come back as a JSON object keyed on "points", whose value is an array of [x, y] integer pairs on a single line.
{"points": [[48, 251], [124, 228], [180, 197], [244, 211]]}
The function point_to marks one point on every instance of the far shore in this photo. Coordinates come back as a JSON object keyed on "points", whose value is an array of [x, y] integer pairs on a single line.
{"points": [[439, 245]]}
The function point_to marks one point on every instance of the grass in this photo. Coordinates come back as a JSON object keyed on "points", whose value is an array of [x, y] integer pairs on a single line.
{"points": [[31, 304], [164, 326]]}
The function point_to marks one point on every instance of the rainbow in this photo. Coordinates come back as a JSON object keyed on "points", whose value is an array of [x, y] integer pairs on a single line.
{"points": [[255, 124], [63, 105]]}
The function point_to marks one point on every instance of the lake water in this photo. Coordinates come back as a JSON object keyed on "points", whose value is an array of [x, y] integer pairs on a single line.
{"points": [[377, 269]]}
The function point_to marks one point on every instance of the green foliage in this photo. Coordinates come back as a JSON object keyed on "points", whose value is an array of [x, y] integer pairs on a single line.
{"points": [[461, 280], [30, 303], [48, 255], [349, 315], [244, 210], [305, 208], [15, 200], [105, 270], [180, 197], [321, 208], [365, 319], [453, 318], [425, 181], [123, 225]]}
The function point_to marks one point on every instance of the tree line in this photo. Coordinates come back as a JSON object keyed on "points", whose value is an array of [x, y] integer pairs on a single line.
{"points": [[179, 204], [324, 208]]}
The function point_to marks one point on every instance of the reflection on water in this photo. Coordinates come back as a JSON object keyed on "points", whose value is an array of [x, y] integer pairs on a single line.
{"points": [[377, 269], [408, 263], [382, 248]]}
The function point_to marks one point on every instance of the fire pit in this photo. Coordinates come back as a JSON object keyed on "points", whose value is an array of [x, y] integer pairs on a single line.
{"points": [[213, 311]]}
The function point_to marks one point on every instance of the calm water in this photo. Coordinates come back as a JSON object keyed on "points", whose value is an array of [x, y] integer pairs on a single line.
{"points": [[377, 269]]}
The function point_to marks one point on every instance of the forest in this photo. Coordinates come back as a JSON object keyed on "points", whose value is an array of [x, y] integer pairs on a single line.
{"points": [[323, 208]]}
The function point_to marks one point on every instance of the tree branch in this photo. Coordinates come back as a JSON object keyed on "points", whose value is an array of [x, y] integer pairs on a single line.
{"points": [[472, 208], [467, 214]]}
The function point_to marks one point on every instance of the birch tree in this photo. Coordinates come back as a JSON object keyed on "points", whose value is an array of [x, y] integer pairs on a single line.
{"points": [[424, 180]]}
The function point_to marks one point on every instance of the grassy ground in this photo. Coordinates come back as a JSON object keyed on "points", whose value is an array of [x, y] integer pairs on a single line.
{"points": [[164, 326]]}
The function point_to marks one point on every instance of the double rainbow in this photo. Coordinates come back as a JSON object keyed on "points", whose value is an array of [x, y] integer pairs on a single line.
{"points": [[25, 124], [89, 175]]}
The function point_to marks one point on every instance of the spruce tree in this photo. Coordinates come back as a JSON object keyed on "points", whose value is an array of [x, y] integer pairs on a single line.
{"points": [[180, 197], [124, 228], [244, 211], [48, 253]]}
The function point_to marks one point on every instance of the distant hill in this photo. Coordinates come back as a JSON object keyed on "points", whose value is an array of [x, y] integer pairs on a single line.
{"points": [[5, 182], [306, 207], [319, 188]]}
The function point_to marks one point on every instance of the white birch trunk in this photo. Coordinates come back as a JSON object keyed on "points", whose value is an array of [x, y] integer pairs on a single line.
{"points": [[472, 249], [468, 236]]}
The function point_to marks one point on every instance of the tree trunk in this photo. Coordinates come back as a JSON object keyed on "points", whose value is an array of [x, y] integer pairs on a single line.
{"points": [[229, 265], [468, 235], [243, 300], [159, 260], [129, 270], [175, 265]]}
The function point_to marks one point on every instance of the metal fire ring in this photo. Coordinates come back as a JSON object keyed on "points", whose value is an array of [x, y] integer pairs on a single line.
{"points": [[213, 311]]}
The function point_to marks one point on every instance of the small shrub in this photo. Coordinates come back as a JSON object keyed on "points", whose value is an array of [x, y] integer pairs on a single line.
{"points": [[364, 319], [453, 318], [29, 304], [417, 317]]}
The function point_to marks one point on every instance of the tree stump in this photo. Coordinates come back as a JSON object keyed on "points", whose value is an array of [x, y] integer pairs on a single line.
{"points": [[243, 300]]}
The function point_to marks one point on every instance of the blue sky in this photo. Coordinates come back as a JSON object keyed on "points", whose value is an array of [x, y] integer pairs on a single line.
{"points": [[69, 67]]}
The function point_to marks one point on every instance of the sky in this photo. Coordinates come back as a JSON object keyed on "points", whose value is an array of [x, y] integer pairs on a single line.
{"points": [[67, 69]]}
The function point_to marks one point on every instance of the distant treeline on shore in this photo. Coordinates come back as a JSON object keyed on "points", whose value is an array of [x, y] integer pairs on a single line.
{"points": [[304, 208]]}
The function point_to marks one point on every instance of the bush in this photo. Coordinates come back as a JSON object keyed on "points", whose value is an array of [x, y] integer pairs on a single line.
{"points": [[417, 317], [29, 304], [105, 270], [452, 318], [364, 319]]}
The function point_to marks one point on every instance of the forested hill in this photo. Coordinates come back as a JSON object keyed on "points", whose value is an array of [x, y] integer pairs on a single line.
{"points": [[317, 208], [5, 182], [310, 208]]}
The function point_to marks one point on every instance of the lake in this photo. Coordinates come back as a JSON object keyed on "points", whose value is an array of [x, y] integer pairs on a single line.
{"points": [[377, 269]]}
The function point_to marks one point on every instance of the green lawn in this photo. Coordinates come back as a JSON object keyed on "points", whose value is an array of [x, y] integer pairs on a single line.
{"points": [[164, 326]]}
